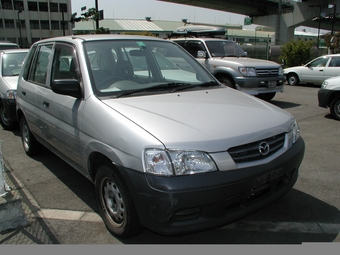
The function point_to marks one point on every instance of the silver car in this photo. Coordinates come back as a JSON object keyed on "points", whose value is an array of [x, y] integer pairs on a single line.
{"points": [[10, 65], [167, 149]]}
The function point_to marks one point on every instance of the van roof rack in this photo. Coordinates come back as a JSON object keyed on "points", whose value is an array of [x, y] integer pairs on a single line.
{"points": [[197, 31]]}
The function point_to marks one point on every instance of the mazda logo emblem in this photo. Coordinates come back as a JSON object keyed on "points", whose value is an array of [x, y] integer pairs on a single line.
{"points": [[264, 148]]}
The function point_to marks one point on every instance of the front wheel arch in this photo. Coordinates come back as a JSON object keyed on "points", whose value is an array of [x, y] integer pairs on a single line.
{"points": [[227, 80], [293, 79], [114, 202]]}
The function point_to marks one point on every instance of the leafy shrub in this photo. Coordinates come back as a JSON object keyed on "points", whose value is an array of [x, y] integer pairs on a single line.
{"points": [[296, 52]]}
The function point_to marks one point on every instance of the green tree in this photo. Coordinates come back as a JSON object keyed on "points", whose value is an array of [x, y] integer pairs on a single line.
{"points": [[92, 15], [296, 52]]}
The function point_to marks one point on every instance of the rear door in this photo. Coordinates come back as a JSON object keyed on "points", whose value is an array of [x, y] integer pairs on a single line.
{"points": [[333, 68], [33, 84], [60, 113]]}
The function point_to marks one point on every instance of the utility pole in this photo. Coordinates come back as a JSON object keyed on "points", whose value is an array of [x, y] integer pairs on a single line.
{"points": [[97, 16]]}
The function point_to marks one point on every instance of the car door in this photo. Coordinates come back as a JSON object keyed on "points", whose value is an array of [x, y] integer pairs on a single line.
{"points": [[61, 113], [314, 71], [333, 68], [33, 84]]}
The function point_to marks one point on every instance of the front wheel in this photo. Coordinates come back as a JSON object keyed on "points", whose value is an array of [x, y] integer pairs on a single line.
{"points": [[227, 81], [266, 96], [293, 79], [335, 108], [5, 122], [115, 203]]}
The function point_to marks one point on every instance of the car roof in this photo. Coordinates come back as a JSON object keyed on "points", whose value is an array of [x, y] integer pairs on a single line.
{"points": [[98, 37], [199, 38], [14, 51]]}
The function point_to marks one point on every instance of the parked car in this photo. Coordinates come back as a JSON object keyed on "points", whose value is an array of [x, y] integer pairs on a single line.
{"points": [[8, 45], [227, 61], [314, 72], [329, 96], [171, 150], [10, 64]]}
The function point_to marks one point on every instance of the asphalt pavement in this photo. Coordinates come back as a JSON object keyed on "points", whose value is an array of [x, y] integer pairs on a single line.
{"points": [[60, 207]]}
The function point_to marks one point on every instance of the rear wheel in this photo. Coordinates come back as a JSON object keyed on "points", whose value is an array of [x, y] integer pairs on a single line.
{"points": [[335, 108], [115, 203], [30, 144], [292, 79], [4, 120]]}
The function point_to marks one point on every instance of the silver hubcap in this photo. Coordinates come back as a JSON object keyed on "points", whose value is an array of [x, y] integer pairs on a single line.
{"points": [[292, 80], [25, 137], [113, 201]]}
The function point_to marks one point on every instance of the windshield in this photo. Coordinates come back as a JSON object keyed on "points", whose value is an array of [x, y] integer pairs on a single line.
{"points": [[121, 67], [225, 49], [11, 63]]}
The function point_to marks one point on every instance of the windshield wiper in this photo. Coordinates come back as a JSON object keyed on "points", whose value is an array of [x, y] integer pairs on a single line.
{"points": [[166, 86], [189, 86]]}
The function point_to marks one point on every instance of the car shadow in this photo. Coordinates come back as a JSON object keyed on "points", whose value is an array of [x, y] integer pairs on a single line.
{"points": [[293, 219], [283, 104]]}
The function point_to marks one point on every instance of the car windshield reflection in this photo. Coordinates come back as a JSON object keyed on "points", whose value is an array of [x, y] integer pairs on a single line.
{"points": [[131, 66]]}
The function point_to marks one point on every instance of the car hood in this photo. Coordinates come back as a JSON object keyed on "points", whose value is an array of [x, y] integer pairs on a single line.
{"points": [[296, 69], [11, 82], [209, 120], [251, 62]]}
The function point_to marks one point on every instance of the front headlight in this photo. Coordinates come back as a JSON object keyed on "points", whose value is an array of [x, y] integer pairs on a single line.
{"points": [[10, 94], [177, 162], [280, 70], [247, 71], [324, 84], [293, 134]]}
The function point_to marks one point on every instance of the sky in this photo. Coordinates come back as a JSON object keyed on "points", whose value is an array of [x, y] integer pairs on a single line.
{"points": [[157, 10]]}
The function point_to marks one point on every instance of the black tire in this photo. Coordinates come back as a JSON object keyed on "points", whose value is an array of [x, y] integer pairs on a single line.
{"points": [[266, 96], [115, 203], [227, 81], [335, 108], [30, 144], [4, 120], [293, 79]]}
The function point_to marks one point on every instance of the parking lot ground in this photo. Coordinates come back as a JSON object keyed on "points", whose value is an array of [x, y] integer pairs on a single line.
{"points": [[60, 207]]}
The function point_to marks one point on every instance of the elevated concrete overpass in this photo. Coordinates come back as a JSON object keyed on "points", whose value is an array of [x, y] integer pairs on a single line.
{"points": [[283, 15]]}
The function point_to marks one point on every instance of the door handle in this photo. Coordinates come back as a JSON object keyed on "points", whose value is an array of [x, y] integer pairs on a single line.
{"points": [[46, 104], [23, 92]]}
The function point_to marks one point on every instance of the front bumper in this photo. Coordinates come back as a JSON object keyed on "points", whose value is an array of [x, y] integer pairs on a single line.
{"points": [[259, 85], [187, 204], [324, 96], [10, 108]]}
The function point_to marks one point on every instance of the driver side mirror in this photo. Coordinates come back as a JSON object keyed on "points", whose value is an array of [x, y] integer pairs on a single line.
{"points": [[201, 54]]}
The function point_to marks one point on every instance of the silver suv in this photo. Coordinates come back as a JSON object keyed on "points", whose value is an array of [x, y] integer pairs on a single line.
{"points": [[230, 65], [167, 149]]}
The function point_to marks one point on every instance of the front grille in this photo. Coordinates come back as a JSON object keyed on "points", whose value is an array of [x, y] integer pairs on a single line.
{"points": [[251, 152], [267, 72]]}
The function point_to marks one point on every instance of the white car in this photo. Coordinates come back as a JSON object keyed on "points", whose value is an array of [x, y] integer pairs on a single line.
{"points": [[10, 65], [314, 72], [329, 96]]}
